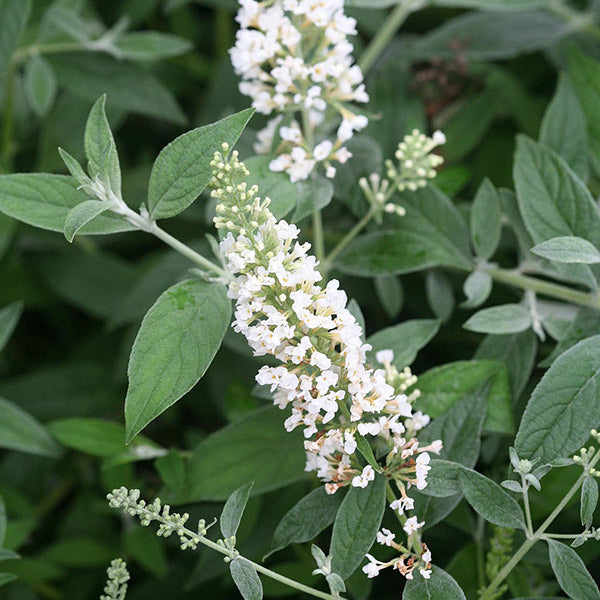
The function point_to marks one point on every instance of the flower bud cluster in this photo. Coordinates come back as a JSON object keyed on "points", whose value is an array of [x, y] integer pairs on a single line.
{"points": [[416, 164], [334, 395], [129, 501], [294, 56], [116, 585]]}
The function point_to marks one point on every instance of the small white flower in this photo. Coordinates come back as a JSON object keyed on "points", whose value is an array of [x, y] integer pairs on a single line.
{"points": [[411, 525], [384, 357], [385, 537], [372, 568], [362, 480]]}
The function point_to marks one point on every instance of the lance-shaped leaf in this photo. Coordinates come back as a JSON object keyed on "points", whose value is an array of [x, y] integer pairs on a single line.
{"points": [[176, 343], [100, 147], [246, 579], [182, 169], [440, 586], [81, 215], [307, 518], [564, 406], [568, 249], [571, 572], [233, 510], [45, 200], [490, 500], [20, 431], [356, 526]]}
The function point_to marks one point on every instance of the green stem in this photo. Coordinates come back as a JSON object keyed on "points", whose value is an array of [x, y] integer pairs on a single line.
{"points": [[384, 35], [547, 288], [272, 574], [348, 238], [579, 20], [186, 251], [478, 537], [526, 506], [538, 535], [56, 48]]}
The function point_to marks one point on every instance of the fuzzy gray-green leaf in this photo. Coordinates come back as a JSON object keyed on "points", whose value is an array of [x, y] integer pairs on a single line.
{"points": [[356, 526], [234, 509], [176, 343], [182, 169]]}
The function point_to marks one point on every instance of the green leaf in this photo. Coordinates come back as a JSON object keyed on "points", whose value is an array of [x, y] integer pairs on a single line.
{"points": [[182, 169], [150, 45], [489, 36], [554, 202], [9, 317], [442, 479], [486, 225], [568, 249], [586, 324], [564, 128], [127, 86], [74, 167], [6, 578], [246, 579], [366, 451], [171, 468], [441, 387], [564, 406], [81, 215], [40, 85], [405, 339], [477, 288], [517, 351], [314, 194], [460, 427], [93, 281], [306, 519], [356, 526], [244, 450], [589, 500], [100, 148], [14, 15], [283, 193], [490, 500], [45, 200], [21, 432], [571, 573], [440, 586], [100, 438], [584, 74], [176, 343], [391, 295], [432, 233], [440, 295], [234, 509], [507, 318]]}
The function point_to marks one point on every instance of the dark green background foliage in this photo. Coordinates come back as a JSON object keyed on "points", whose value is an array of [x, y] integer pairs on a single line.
{"points": [[482, 78]]}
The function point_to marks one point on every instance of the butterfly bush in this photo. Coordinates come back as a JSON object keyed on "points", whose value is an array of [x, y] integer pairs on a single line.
{"points": [[335, 396], [294, 57]]}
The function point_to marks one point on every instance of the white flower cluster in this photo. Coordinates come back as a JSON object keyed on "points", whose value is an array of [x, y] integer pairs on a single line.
{"points": [[283, 311], [294, 57]]}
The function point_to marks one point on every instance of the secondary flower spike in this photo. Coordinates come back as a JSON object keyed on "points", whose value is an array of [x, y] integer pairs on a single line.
{"points": [[334, 394], [294, 57]]}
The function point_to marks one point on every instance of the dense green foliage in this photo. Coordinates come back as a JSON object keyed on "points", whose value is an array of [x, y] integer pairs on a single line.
{"points": [[118, 366]]}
